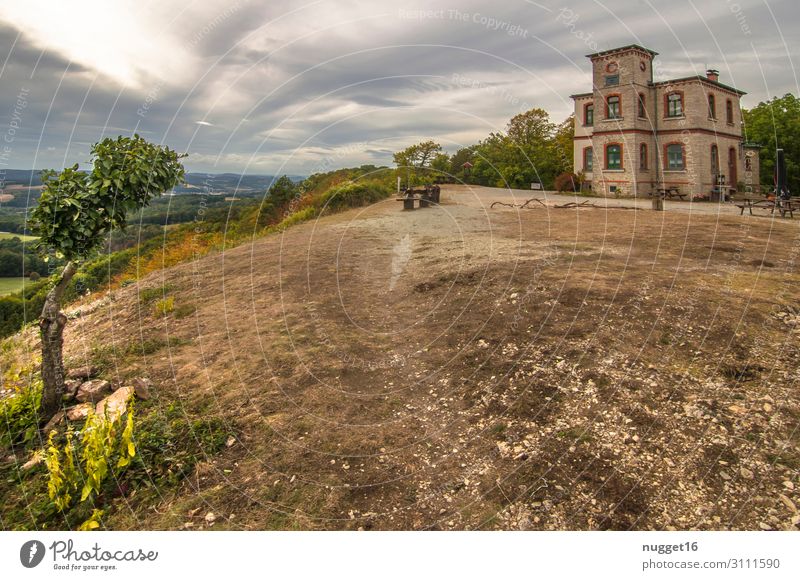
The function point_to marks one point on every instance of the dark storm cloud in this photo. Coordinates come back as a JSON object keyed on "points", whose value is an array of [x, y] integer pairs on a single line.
{"points": [[287, 86]]}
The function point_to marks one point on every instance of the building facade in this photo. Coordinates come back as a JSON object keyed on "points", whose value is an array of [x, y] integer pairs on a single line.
{"points": [[634, 136]]}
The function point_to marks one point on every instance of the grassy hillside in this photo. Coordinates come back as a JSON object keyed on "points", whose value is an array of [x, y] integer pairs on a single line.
{"points": [[452, 368]]}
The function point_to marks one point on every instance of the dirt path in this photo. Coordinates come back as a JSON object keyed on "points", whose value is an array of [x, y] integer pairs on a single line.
{"points": [[460, 368]]}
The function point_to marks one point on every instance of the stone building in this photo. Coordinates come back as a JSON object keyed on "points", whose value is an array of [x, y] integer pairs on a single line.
{"points": [[634, 136]]}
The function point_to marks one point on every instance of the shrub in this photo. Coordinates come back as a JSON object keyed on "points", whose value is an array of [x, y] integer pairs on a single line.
{"points": [[19, 414], [185, 310], [102, 447], [147, 295], [567, 182], [33, 276], [165, 306]]}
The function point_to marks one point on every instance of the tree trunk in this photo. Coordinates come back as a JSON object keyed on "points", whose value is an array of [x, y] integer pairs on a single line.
{"points": [[52, 325]]}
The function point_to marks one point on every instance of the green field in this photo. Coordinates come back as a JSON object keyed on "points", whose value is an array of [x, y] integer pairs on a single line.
{"points": [[7, 236], [9, 285]]}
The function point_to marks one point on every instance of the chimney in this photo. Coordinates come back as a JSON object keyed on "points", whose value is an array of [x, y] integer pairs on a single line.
{"points": [[712, 75]]}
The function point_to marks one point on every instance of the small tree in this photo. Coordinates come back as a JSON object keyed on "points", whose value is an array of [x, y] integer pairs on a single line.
{"points": [[76, 210], [416, 158]]}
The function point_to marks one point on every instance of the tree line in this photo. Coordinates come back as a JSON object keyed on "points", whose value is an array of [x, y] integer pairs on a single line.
{"points": [[531, 149]]}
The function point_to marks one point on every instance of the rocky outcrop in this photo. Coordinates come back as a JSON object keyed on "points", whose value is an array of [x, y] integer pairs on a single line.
{"points": [[93, 391]]}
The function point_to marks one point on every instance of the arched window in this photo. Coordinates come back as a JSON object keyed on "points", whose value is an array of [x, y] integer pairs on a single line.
{"points": [[712, 107], [729, 111], [642, 107], [643, 156], [614, 156], [613, 107], [675, 157], [714, 160], [587, 160], [675, 104], [588, 114]]}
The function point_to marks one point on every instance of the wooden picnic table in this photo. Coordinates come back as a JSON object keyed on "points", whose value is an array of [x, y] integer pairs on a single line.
{"points": [[670, 193], [783, 206]]}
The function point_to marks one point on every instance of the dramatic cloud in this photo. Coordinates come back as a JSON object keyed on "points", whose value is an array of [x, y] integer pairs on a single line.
{"points": [[277, 86]]}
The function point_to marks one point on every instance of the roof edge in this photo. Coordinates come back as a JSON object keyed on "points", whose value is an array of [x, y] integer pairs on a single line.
{"points": [[620, 49], [703, 79]]}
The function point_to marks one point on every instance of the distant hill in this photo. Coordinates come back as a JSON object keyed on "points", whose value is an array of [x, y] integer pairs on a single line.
{"points": [[221, 183], [228, 182], [20, 177]]}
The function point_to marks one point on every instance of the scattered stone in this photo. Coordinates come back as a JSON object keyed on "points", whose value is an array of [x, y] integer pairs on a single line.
{"points": [[93, 391], [57, 419], [788, 484], [188, 525], [724, 475], [79, 412], [737, 409], [116, 404], [36, 459], [82, 373], [210, 518], [764, 526], [141, 387], [746, 473], [71, 387], [788, 503], [231, 441], [767, 408]]}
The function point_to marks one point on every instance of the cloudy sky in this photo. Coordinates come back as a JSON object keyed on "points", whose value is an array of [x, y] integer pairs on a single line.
{"points": [[272, 86]]}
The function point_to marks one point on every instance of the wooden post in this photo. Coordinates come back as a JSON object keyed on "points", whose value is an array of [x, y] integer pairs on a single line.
{"points": [[658, 202]]}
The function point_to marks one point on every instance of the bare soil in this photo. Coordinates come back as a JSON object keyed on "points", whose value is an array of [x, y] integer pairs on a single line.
{"points": [[462, 367]]}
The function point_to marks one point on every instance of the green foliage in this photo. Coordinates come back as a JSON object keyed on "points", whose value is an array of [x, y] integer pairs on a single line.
{"points": [[185, 310], [417, 156], [350, 195], [283, 191], [147, 295], [776, 124], [568, 182], [86, 459], [532, 149], [457, 161], [169, 444], [17, 259], [19, 414], [165, 306], [77, 209], [93, 522]]}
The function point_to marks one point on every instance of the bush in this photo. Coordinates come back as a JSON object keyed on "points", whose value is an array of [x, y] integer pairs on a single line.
{"points": [[165, 306], [567, 182], [103, 447], [33, 276], [19, 414], [352, 195]]}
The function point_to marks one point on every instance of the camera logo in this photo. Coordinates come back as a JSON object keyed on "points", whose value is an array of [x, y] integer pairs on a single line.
{"points": [[31, 553]]}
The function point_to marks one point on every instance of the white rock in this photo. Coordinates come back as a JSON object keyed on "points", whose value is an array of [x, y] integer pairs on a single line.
{"points": [[116, 404], [93, 391]]}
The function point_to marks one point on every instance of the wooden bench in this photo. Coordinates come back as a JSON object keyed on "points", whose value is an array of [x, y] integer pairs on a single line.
{"points": [[671, 193], [783, 206], [426, 197]]}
